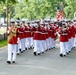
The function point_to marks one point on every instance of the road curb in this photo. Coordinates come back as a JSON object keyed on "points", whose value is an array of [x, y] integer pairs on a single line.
{"points": [[3, 47]]}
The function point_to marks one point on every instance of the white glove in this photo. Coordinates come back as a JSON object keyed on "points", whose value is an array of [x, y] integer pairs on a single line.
{"points": [[8, 31]]}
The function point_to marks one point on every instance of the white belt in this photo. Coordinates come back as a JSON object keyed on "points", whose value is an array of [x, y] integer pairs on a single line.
{"points": [[64, 34], [20, 32], [37, 32], [27, 31], [43, 33]]}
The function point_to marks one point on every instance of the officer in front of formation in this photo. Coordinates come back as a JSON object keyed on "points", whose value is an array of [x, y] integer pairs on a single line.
{"points": [[12, 42]]}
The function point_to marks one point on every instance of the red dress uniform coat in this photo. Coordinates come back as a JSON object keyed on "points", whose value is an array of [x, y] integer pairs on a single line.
{"points": [[37, 34], [27, 32], [12, 36], [73, 30], [43, 33], [20, 32], [33, 31], [63, 35]]}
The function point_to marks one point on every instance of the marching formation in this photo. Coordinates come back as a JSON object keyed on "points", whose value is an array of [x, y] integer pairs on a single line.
{"points": [[40, 35]]}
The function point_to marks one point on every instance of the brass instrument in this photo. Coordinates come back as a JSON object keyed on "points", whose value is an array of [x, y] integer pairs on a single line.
{"points": [[56, 37], [13, 31], [18, 26], [63, 30]]}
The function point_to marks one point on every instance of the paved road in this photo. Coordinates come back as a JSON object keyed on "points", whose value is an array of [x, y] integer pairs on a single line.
{"points": [[49, 63]]}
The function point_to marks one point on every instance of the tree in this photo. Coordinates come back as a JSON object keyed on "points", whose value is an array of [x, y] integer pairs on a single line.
{"points": [[4, 1], [70, 8], [36, 9]]}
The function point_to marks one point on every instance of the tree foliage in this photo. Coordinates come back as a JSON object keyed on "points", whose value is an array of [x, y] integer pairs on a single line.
{"points": [[70, 8], [4, 1], [36, 9]]}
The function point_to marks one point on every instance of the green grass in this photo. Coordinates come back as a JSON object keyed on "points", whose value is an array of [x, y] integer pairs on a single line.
{"points": [[3, 43]]}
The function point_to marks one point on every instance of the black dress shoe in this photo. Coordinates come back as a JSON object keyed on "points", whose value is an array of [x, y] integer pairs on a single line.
{"points": [[33, 47], [67, 53], [53, 47], [38, 53], [25, 48], [12, 53], [8, 62], [21, 51], [46, 50], [64, 55], [29, 48], [13, 62], [73, 47], [49, 48], [18, 54], [42, 52], [61, 55], [34, 53]]}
